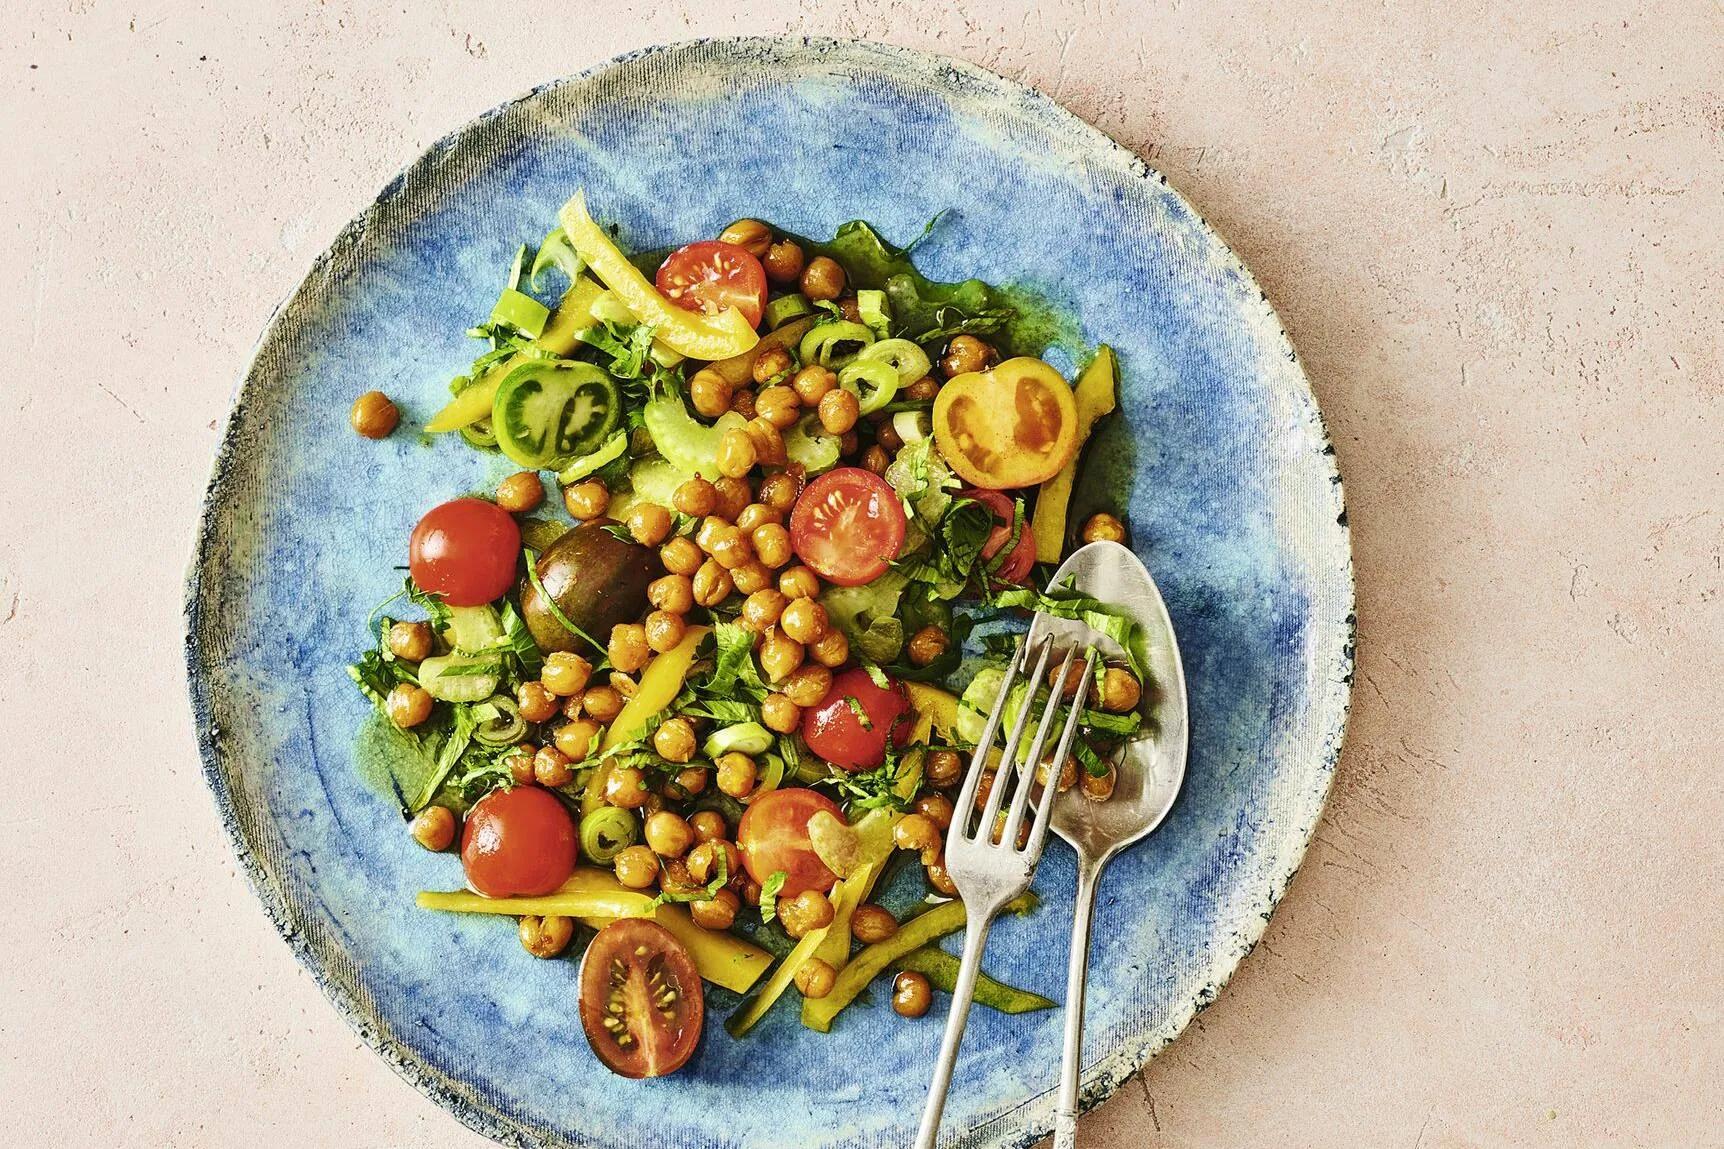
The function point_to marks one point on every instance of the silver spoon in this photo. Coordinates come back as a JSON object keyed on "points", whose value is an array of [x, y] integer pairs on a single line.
{"points": [[1151, 770]]}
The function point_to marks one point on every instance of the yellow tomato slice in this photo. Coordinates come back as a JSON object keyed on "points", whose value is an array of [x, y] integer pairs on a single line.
{"points": [[687, 333], [1011, 427]]}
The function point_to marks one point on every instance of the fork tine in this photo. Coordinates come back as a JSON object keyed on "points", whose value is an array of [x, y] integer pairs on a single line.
{"points": [[1051, 792], [1027, 771], [1009, 768], [966, 803]]}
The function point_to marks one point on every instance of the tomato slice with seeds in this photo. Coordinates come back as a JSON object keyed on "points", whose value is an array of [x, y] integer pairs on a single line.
{"points": [[641, 1002], [848, 526], [711, 276]]}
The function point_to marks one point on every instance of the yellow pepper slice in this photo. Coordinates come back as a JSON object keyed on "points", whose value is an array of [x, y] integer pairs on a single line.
{"points": [[685, 332], [574, 313], [752, 1010], [939, 707], [738, 370], [1095, 397], [1010, 427], [620, 903], [661, 682]]}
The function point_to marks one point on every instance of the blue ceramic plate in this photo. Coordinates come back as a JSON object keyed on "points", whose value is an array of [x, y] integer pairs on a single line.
{"points": [[1219, 456]]}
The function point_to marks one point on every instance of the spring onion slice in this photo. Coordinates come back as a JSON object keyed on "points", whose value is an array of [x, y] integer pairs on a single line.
{"points": [[520, 311], [882, 381], [611, 451], [556, 251], [834, 342], [910, 361], [874, 311], [607, 832], [507, 728]]}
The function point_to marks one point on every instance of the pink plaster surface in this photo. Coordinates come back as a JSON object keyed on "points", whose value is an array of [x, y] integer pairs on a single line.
{"points": [[1496, 234]]}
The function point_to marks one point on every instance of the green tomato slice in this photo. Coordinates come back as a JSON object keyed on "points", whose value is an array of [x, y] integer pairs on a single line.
{"points": [[548, 411]]}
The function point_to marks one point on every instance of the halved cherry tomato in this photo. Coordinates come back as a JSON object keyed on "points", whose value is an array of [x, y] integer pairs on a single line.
{"points": [[710, 276], [848, 526], [1011, 427], [641, 1003], [518, 843], [465, 551], [1017, 564], [773, 836], [849, 726]]}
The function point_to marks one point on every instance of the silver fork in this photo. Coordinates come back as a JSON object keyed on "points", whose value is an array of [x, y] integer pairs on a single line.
{"points": [[990, 871]]}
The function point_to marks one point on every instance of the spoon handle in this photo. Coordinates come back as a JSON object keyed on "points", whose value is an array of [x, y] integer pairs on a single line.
{"points": [[1066, 1108]]}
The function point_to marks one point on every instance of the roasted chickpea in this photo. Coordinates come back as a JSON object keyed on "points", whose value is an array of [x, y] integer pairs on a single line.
{"points": [[762, 608], [771, 545], [1103, 527], [768, 442], [1120, 691], [707, 858], [733, 495], [779, 655], [1067, 778], [984, 787], [408, 705], [966, 353], [565, 674], [812, 384], [875, 459], [832, 649], [410, 640], [822, 278], [736, 774], [770, 366], [809, 684], [783, 261], [695, 497], [707, 825], [548, 936], [717, 912], [750, 891], [742, 402], [731, 549], [648, 523], [373, 415], [937, 808], [922, 389], [887, 436], [710, 393], [911, 994], [916, 832], [603, 703], [871, 923], [671, 593], [751, 576], [750, 235], [673, 877], [434, 828], [520, 492], [551, 767], [520, 764], [810, 910], [850, 308], [628, 648], [839, 409], [804, 620], [938, 877], [681, 556], [756, 515], [707, 532], [926, 645], [779, 406], [711, 584], [668, 834], [689, 781], [626, 786], [849, 444], [636, 867], [1099, 787], [577, 740], [779, 489], [799, 582], [623, 684], [780, 714], [815, 978], [674, 740], [664, 630], [1068, 686], [586, 500], [736, 453], [1023, 835], [942, 767]]}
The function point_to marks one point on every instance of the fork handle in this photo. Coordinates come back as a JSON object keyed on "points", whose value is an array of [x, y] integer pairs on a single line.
{"points": [[975, 938], [1066, 1107]]}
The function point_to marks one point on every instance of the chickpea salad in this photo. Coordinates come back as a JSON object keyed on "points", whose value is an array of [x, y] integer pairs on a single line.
{"points": [[693, 732]]}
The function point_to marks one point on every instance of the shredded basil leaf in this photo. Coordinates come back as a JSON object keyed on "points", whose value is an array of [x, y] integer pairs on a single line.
{"points": [[769, 894]]}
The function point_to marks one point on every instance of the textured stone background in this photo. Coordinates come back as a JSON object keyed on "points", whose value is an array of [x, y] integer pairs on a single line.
{"points": [[1494, 232]]}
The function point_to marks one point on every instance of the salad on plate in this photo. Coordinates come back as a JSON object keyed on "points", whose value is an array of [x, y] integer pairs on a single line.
{"points": [[695, 731]]}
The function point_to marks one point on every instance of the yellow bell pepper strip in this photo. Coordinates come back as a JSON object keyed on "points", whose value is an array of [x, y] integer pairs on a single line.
{"points": [[578, 903], [685, 332], [721, 958], [941, 969], [738, 370], [573, 314], [940, 707], [1095, 396], [1009, 427], [754, 1008], [661, 682], [871, 961]]}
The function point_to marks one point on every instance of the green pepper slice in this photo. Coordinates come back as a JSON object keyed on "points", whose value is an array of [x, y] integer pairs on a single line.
{"points": [[547, 411]]}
